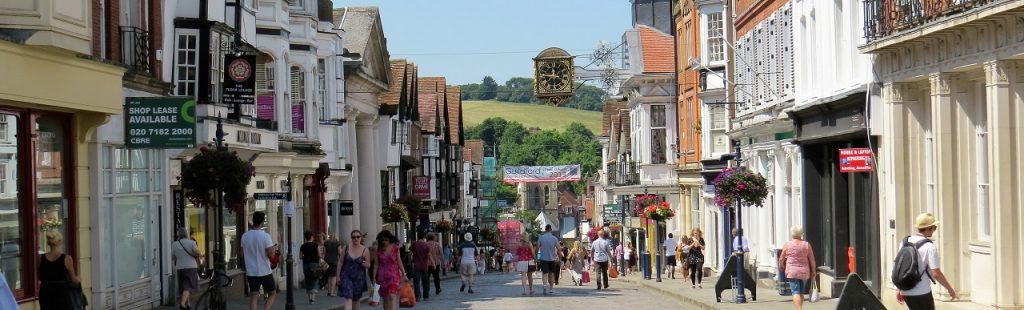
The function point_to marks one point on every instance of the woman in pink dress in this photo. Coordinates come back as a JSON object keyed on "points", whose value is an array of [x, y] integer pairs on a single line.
{"points": [[388, 271], [524, 262], [798, 264]]}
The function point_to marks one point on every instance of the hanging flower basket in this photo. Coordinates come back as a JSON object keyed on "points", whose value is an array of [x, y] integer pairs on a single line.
{"points": [[412, 206], [212, 169], [488, 235], [594, 233], [395, 213], [659, 212], [735, 184], [443, 226]]}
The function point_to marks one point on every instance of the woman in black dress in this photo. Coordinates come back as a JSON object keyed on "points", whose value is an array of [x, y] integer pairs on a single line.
{"points": [[695, 260], [57, 276]]}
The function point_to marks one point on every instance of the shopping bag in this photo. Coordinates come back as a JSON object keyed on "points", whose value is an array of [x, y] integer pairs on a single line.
{"points": [[815, 295], [586, 277], [406, 296], [375, 295], [613, 273]]}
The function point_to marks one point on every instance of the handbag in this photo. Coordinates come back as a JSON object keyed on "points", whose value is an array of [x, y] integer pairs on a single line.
{"points": [[613, 273], [586, 277], [406, 296], [375, 295], [78, 300]]}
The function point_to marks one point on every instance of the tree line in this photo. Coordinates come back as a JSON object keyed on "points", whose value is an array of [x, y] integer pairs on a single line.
{"points": [[520, 90], [519, 146]]}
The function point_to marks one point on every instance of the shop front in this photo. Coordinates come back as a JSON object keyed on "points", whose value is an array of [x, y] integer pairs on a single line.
{"points": [[840, 208], [47, 122]]}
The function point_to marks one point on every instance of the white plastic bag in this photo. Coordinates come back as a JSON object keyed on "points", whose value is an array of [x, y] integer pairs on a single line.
{"points": [[815, 295], [375, 295]]}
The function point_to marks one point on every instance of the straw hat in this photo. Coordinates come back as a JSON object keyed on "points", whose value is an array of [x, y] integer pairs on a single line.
{"points": [[925, 220], [468, 236]]}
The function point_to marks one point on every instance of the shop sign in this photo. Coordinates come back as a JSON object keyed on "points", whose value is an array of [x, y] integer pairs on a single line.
{"points": [[855, 160], [240, 82], [178, 195], [270, 196], [421, 187], [534, 174], [346, 208], [160, 122], [265, 107]]}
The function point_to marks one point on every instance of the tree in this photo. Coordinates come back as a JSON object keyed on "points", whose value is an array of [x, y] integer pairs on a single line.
{"points": [[503, 94], [520, 89], [471, 91], [588, 98], [488, 88]]}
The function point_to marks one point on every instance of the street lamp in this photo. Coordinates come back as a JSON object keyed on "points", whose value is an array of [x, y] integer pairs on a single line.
{"points": [[289, 210], [740, 294]]}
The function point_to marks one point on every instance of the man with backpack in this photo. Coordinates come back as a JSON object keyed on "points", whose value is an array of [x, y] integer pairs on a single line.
{"points": [[917, 266]]}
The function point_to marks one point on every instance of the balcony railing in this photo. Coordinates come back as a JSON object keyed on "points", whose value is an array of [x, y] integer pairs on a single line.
{"points": [[623, 175], [883, 18], [135, 49]]}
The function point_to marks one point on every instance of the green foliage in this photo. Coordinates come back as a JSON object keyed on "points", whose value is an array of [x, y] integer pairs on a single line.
{"points": [[528, 217], [488, 88], [519, 147], [520, 90]]}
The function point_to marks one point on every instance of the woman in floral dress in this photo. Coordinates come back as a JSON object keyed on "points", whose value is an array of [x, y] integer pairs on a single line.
{"points": [[388, 272], [354, 260]]}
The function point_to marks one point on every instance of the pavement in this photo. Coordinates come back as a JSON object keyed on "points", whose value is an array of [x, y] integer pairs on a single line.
{"points": [[704, 298]]}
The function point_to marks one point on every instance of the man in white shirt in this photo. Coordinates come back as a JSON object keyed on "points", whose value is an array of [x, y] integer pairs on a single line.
{"points": [[740, 245], [467, 262], [920, 297], [670, 256], [602, 253], [257, 248]]}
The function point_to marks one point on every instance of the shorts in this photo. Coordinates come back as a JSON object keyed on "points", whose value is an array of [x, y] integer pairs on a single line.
{"points": [[188, 280], [523, 266], [467, 269], [548, 266], [670, 260], [266, 282], [797, 286]]}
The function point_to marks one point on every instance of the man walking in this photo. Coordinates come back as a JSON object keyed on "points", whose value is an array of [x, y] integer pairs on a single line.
{"points": [[258, 248], [467, 262], [421, 267], [436, 262], [602, 253], [670, 256], [549, 254], [920, 296]]}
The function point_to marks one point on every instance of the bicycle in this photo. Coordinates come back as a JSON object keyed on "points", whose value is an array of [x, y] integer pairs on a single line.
{"points": [[213, 298]]}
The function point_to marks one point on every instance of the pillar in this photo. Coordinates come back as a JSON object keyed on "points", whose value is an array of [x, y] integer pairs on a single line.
{"points": [[369, 177], [946, 165], [1004, 198]]}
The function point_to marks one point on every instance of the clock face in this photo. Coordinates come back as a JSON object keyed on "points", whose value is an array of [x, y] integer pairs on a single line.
{"points": [[554, 76]]}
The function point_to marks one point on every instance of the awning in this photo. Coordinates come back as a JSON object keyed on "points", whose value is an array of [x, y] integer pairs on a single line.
{"points": [[543, 219]]}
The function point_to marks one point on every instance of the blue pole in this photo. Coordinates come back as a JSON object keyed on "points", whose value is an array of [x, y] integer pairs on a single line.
{"points": [[657, 250], [740, 296]]}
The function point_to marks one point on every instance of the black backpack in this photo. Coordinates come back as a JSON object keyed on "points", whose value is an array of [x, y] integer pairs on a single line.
{"points": [[906, 270]]}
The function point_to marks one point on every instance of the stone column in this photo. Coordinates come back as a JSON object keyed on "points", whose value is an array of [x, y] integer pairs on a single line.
{"points": [[369, 179], [1004, 198], [894, 150], [946, 167], [350, 191]]}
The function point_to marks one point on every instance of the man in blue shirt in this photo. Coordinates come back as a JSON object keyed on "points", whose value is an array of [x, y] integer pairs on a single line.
{"points": [[549, 254]]}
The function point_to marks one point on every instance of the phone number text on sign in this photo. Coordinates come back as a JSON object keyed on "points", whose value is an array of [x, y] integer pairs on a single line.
{"points": [[855, 160]]}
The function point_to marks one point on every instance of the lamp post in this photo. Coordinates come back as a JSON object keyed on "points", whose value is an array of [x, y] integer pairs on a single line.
{"points": [[219, 266], [289, 210], [622, 234], [740, 294], [657, 244]]}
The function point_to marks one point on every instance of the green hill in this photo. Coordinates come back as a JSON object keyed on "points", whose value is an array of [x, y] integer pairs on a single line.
{"points": [[530, 115]]}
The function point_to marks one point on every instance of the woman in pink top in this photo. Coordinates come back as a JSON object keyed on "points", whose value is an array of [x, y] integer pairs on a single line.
{"points": [[525, 258], [798, 264]]}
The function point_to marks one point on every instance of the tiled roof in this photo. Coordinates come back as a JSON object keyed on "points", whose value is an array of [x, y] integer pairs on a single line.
{"points": [[427, 103], [411, 91], [454, 108], [476, 149], [434, 86], [658, 51], [399, 72], [611, 111], [358, 23], [430, 84]]}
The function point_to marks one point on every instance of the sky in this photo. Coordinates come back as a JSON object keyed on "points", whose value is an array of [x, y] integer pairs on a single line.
{"points": [[464, 40]]}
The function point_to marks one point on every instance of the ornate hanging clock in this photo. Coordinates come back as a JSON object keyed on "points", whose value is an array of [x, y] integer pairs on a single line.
{"points": [[553, 76]]}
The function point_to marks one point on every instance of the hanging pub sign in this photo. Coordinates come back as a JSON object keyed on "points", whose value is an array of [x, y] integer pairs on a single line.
{"points": [[855, 160], [421, 187], [160, 122], [239, 79]]}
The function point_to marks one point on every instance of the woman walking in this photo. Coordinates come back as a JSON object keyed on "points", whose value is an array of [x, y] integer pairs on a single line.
{"points": [[353, 262], [388, 273], [309, 252], [524, 260], [578, 259], [797, 260], [695, 260], [185, 256], [628, 253], [57, 276]]}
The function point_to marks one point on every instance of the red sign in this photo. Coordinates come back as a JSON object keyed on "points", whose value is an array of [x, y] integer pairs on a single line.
{"points": [[421, 187], [855, 160]]}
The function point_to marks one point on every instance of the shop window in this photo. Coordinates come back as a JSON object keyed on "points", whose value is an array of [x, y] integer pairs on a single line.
{"points": [[130, 208]]}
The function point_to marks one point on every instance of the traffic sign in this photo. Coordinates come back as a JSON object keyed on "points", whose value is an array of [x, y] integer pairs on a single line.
{"points": [[270, 196]]}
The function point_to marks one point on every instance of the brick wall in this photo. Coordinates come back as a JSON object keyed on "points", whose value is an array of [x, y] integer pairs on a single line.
{"points": [[156, 35]]}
